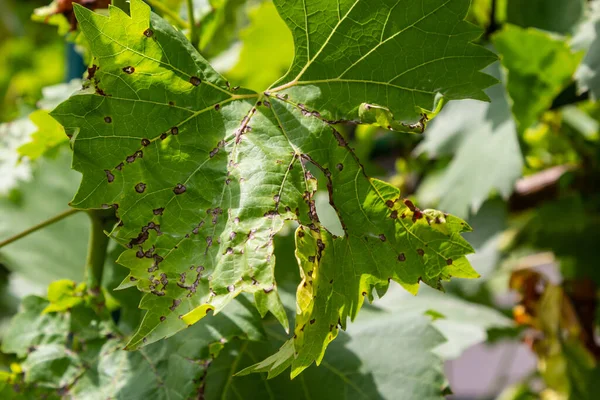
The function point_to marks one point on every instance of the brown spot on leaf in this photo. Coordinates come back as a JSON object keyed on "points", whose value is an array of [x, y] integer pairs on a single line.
{"points": [[312, 321], [340, 166], [140, 187], [129, 70], [162, 318], [179, 189], [108, 120], [394, 214], [401, 257], [109, 176], [449, 261], [158, 211], [145, 142], [148, 33], [421, 252], [176, 303], [382, 237], [194, 80], [410, 205], [230, 288], [92, 71], [417, 215], [269, 289]]}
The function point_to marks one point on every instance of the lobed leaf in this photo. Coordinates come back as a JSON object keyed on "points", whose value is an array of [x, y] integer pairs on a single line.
{"points": [[203, 174]]}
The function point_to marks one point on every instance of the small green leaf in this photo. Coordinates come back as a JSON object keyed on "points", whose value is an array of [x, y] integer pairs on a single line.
{"points": [[49, 135]]}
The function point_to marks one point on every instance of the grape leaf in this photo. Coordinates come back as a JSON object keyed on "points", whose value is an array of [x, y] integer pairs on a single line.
{"points": [[588, 37], [539, 66], [79, 353], [357, 366], [204, 174], [549, 15]]}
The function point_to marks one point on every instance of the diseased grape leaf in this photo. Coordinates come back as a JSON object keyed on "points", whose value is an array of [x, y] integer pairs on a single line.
{"points": [[203, 174], [538, 66], [486, 156]]}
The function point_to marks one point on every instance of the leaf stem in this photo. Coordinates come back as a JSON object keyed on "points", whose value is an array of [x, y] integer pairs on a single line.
{"points": [[194, 38], [160, 6], [39, 226], [97, 248]]}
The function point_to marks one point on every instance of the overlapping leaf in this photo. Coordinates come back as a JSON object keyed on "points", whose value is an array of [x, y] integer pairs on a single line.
{"points": [[538, 66], [357, 366], [203, 175], [78, 353]]}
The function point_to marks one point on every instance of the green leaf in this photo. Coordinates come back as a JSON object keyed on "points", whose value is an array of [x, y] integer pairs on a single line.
{"points": [[587, 75], [58, 251], [265, 38], [49, 135], [13, 170], [464, 324], [81, 353], [357, 366], [64, 295], [204, 175], [218, 27], [486, 156], [550, 15], [539, 67], [31, 327]]}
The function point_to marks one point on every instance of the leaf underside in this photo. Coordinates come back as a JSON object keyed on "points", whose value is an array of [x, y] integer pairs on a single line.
{"points": [[203, 175]]}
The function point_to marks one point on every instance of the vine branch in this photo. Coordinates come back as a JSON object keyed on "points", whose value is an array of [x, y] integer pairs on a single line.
{"points": [[194, 38], [39, 226], [97, 248]]}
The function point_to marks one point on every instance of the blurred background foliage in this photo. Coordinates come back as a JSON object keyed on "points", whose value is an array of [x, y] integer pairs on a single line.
{"points": [[523, 169]]}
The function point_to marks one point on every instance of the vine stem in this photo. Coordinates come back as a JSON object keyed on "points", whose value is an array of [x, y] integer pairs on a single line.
{"points": [[39, 226], [194, 38], [97, 248], [159, 5]]}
